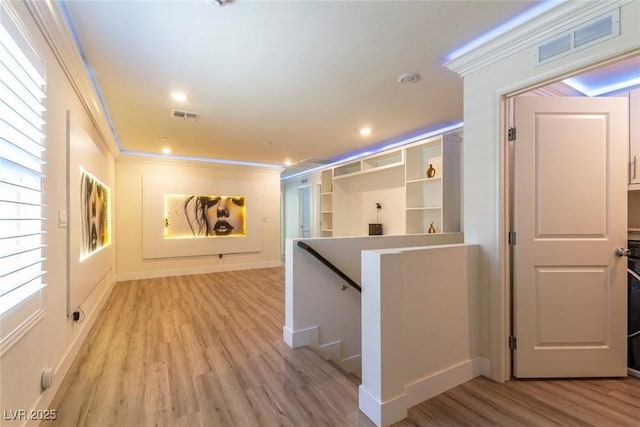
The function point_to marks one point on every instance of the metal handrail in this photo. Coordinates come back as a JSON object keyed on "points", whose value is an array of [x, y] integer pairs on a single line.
{"points": [[332, 267]]}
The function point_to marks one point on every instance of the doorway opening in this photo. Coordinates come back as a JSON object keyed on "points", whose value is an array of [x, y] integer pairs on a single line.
{"points": [[305, 209], [545, 335]]}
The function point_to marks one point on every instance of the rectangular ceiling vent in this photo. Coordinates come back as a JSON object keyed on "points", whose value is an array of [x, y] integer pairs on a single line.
{"points": [[580, 37], [185, 115]]}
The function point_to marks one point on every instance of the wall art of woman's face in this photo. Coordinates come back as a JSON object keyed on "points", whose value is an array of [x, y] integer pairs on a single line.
{"points": [[226, 216], [94, 210], [204, 216]]}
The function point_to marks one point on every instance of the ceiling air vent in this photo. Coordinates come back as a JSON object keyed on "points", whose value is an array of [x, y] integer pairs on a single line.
{"points": [[185, 115], [587, 34]]}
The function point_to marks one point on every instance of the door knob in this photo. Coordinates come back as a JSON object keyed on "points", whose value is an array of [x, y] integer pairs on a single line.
{"points": [[622, 252]]}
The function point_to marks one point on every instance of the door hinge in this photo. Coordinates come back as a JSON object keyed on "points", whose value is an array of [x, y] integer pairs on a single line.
{"points": [[512, 238], [512, 342], [511, 135]]}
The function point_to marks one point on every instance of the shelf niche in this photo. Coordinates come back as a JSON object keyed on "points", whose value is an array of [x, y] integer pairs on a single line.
{"points": [[411, 200], [433, 200]]}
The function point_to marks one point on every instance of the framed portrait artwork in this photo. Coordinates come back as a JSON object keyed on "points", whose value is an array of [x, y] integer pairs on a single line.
{"points": [[195, 216], [95, 214], [87, 217]]}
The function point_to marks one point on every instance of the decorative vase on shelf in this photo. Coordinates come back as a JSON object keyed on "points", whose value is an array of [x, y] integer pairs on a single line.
{"points": [[431, 229], [431, 172]]}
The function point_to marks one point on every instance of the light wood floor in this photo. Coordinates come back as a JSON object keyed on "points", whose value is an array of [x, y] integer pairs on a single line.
{"points": [[207, 350]]}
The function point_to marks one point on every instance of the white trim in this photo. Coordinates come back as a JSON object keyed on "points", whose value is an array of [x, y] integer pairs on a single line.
{"points": [[481, 367], [154, 274], [15, 335], [301, 337], [394, 410], [46, 397], [352, 364], [52, 24], [382, 413], [331, 351], [444, 380], [558, 20]]}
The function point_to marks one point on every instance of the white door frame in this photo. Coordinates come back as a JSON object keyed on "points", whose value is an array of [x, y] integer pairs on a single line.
{"points": [[492, 72], [501, 320]]}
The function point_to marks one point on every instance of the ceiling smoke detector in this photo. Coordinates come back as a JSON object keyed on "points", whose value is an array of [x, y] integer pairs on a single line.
{"points": [[185, 115], [408, 78]]}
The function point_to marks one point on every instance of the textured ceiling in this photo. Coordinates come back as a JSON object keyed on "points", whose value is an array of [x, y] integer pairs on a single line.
{"points": [[277, 80]]}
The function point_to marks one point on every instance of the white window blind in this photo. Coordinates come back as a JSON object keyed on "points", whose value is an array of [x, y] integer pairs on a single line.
{"points": [[21, 170]]}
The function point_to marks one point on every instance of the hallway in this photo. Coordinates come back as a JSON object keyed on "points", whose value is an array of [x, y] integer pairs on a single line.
{"points": [[207, 350]]}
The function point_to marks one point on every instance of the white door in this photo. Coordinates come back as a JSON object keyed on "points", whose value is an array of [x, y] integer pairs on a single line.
{"points": [[304, 211], [570, 214]]}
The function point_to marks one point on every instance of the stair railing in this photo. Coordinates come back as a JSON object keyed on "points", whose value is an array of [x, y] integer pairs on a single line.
{"points": [[332, 267]]}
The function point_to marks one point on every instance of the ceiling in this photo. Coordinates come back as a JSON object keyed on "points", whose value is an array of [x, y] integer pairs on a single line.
{"points": [[277, 80]]}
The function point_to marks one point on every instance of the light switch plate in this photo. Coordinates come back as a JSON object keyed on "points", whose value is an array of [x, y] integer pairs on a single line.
{"points": [[62, 218]]}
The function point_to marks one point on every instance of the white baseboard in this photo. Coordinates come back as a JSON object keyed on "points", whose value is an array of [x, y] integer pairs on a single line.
{"points": [[331, 351], [301, 337], [482, 366], [63, 367], [352, 364], [439, 382], [154, 274], [382, 414], [388, 412]]}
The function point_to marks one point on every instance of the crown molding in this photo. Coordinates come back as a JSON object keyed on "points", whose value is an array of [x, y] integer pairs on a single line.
{"points": [[561, 18], [52, 23]]}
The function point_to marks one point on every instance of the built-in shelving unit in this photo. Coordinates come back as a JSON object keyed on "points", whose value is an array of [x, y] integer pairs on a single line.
{"points": [[383, 161], [433, 199], [412, 199], [370, 164], [326, 203], [347, 169]]}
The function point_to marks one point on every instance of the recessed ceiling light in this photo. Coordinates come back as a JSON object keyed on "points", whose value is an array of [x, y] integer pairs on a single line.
{"points": [[409, 77], [179, 96], [166, 150], [288, 162], [365, 131]]}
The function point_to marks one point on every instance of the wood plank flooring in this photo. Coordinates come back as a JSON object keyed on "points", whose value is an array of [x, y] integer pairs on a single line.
{"points": [[207, 350]]}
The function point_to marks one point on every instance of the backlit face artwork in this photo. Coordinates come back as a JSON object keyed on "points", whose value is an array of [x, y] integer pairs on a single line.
{"points": [[94, 199], [224, 215], [204, 216]]}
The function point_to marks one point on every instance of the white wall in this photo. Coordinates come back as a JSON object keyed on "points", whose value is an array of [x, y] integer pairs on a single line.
{"points": [[54, 341], [420, 329], [355, 198], [502, 67], [317, 312], [129, 217]]}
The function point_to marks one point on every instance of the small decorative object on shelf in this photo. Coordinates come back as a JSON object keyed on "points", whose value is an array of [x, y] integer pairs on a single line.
{"points": [[431, 172], [431, 229], [376, 229]]}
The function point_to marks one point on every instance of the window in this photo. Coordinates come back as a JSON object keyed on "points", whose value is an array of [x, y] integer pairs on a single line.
{"points": [[21, 169]]}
